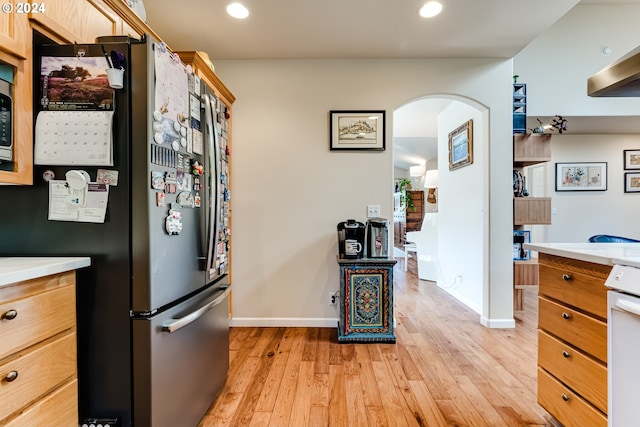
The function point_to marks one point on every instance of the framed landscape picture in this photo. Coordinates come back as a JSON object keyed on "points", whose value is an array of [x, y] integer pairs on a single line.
{"points": [[631, 159], [357, 130], [461, 146], [586, 176], [632, 182]]}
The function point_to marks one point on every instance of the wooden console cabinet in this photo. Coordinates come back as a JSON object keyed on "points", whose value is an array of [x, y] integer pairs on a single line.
{"points": [[366, 300], [572, 340], [38, 368]]}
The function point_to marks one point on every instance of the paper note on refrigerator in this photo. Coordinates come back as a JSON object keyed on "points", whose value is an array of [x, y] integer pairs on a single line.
{"points": [[74, 138], [65, 205]]}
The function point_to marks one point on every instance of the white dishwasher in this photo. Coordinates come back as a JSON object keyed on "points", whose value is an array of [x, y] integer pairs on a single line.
{"points": [[623, 343]]}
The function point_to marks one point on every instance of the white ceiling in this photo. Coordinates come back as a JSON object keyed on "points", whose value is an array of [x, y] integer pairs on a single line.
{"points": [[362, 29]]}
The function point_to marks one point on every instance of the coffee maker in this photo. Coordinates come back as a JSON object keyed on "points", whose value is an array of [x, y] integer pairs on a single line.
{"points": [[377, 238], [351, 239]]}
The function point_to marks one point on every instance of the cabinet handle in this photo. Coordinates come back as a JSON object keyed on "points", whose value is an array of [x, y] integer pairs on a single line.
{"points": [[566, 316], [565, 397], [566, 354], [11, 376], [10, 314], [566, 277]]}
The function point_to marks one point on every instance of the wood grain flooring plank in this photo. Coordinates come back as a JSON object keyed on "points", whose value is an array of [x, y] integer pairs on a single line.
{"points": [[445, 369]]}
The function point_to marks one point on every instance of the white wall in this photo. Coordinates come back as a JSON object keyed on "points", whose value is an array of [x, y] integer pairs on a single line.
{"points": [[557, 64], [555, 67], [581, 214], [462, 210], [290, 191]]}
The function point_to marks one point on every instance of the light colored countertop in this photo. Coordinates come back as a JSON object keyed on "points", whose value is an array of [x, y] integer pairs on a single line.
{"points": [[16, 269], [599, 253]]}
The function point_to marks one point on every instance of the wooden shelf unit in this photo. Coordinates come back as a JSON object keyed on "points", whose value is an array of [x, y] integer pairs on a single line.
{"points": [[528, 149], [415, 215]]}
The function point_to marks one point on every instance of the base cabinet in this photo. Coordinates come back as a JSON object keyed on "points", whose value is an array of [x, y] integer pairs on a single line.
{"points": [[366, 300], [38, 361], [572, 341]]}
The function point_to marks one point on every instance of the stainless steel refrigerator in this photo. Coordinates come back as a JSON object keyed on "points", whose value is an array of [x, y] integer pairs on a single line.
{"points": [[152, 310]]}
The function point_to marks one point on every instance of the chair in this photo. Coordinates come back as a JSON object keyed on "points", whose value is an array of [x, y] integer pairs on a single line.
{"points": [[409, 247], [605, 238]]}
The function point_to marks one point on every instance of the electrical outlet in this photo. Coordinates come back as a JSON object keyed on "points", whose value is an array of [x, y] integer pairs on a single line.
{"points": [[373, 211], [333, 298]]}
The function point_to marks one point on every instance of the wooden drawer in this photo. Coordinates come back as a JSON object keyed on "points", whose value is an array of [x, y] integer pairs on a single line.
{"points": [[566, 406], [575, 369], [40, 369], [59, 408], [39, 316], [584, 332], [578, 290]]}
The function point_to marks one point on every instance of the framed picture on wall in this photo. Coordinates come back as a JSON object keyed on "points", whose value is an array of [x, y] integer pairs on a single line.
{"points": [[632, 182], [461, 146], [357, 130], [631, 159], [586, 176]]}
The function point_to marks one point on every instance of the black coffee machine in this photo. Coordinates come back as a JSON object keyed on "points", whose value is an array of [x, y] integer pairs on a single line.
{"points": [[351, 239], [377, 245]]}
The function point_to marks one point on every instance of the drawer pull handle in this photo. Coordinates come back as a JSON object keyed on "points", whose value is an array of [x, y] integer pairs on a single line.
{"points": [[11, 376], [566, 354], [566, 277], [565, 397], [10, 314], [566, 316]]}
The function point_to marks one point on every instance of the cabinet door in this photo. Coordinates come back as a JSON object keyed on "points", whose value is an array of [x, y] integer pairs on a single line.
{"points": [[78, 21], [14, 28], [20, 169]]}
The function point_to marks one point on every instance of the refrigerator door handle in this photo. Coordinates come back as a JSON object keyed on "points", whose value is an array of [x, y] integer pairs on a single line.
{"points": [[173, 325], [213, 183]]}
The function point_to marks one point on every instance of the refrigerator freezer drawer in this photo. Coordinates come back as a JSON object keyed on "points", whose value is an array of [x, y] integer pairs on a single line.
{"points": [[181, 359]]}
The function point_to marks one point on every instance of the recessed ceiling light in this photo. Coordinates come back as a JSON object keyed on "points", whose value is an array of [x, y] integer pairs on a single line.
{"points": [[431, 9], [237, 10]]}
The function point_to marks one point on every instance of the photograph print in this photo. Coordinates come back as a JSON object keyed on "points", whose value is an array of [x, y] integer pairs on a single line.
{"points": [[461, 146], [75, 83]]}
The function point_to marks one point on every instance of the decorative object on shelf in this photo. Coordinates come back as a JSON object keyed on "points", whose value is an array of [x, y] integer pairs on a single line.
{"points": [[357, 130], [586, 176], [559, 123], [520, 237], [632, 182], [461, 146], [631, 159], [519, 184], [519, 106]]}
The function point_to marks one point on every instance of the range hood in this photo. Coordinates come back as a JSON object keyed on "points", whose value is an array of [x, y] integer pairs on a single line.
{"points": [[622, 78]]}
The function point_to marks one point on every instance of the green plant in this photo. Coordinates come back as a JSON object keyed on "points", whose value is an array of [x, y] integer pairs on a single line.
{"points": [[405, 197]]}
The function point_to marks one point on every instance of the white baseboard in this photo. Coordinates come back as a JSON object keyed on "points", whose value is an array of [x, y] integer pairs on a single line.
{"points": [[274, 322], [498, 323]]}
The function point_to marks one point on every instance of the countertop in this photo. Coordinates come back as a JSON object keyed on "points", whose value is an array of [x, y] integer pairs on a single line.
{"points": [[599, 253], [16, 269]]}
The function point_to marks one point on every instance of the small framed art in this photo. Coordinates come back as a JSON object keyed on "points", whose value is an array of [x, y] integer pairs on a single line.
{"points": [[632, 182], [631, 159], [586, 176], [461, 146], [357, 130]]}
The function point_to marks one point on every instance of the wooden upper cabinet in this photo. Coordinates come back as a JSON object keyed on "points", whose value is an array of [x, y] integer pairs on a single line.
{"points": [[202, 67], [13, 30], [20, 169], [77, 21]]}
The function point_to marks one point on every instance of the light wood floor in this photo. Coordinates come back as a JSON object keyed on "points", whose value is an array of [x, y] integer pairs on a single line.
{"points": [[445, 370]]}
